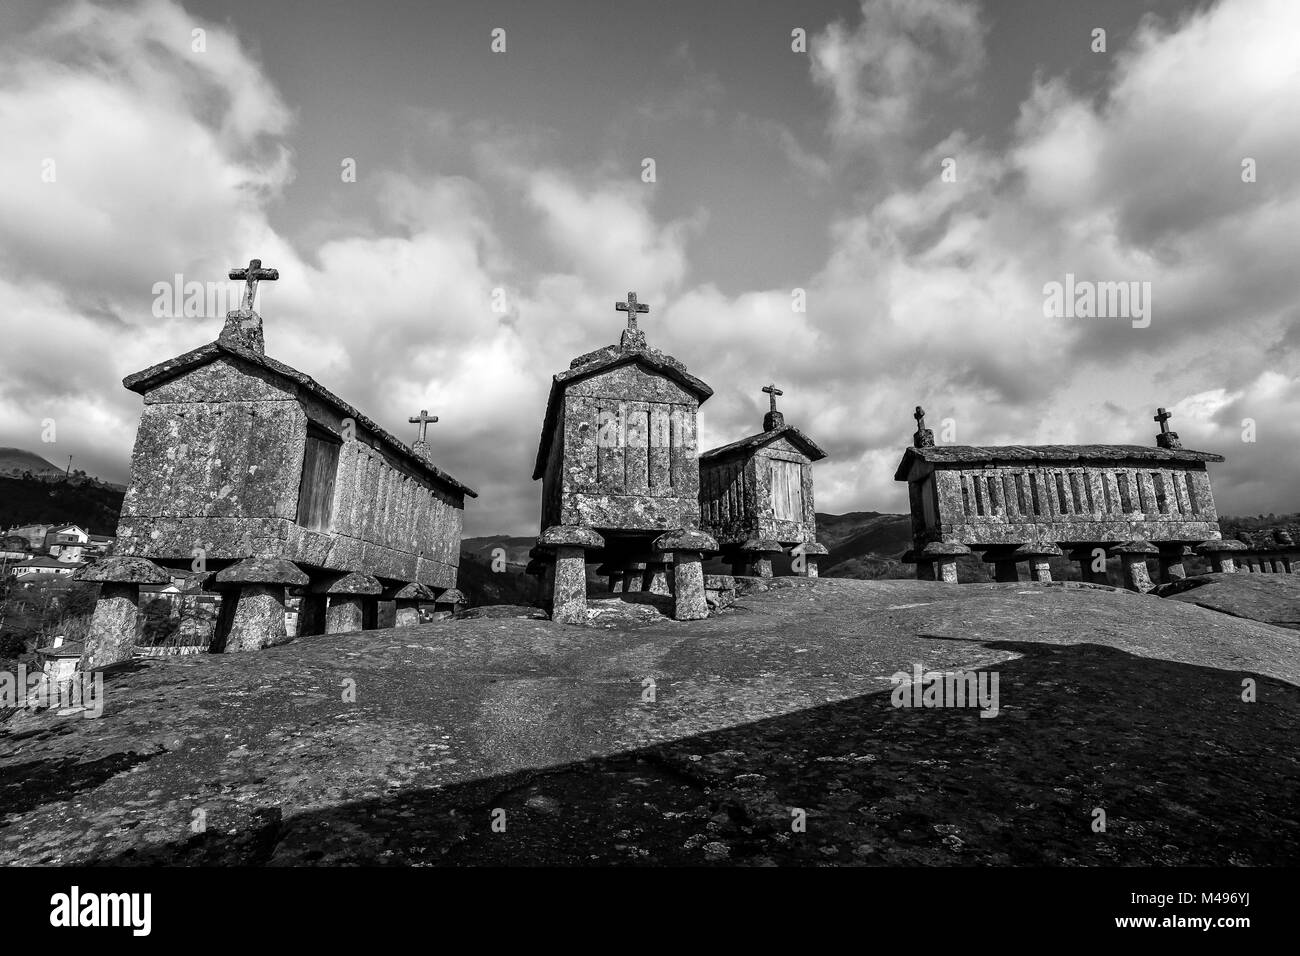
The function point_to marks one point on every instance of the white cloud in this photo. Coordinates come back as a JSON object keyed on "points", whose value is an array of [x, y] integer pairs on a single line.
{"points": [[877, 72], [931, 293]]}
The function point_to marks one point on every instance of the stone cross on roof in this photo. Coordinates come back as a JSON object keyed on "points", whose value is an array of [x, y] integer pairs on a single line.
{"points": [[773, 419], [251, 276], [243, 327], [633, 337], [1166, 438], [923, 437], [631, 307], [423, 419]]}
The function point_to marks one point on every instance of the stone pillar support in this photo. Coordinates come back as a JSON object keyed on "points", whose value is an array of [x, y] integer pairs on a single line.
{"points": [[348, 597], [759, 552], [407, 599], [570, 544], [1171, 562], [1133, 560], [613, 575], [115, 624], [449, 602], [657, 570], [689, 600], [943, 556], [634, 577], [256, 586], [1038, 557], [1222, 554], [810, 552]]}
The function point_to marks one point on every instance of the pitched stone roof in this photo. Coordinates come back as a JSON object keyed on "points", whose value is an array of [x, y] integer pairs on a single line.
{"points": [[1085, 454], [601, 360], [789, 432], [150, 378]]}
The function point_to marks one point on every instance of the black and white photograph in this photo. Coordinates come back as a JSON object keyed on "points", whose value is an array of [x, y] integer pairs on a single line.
{"points": [[616, 438]]}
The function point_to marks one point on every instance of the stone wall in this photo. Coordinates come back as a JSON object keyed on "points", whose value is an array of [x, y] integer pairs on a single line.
{"points": [[629, 457], [1040, 503]]}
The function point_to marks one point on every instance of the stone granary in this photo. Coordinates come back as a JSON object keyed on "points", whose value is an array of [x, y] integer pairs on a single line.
{"points": [[1269, 551], [251, 469], [620, 477], [1019, 503], [756, 496]]}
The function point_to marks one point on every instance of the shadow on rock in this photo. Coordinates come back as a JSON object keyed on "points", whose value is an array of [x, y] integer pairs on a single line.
{"points": [[1184, 771]]}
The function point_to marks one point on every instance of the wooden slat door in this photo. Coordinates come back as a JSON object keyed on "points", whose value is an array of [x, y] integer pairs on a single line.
{"points": [[787, 490], [316, 493]]}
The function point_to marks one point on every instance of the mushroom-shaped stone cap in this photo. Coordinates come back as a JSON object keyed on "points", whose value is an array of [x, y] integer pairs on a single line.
{"points": [[683, 540], [761, 544], [1219, 544], [1037, 551], [570, 536], [451, 596], [814, 547], [123, 570], [263, 571], [940, 549], [1134, 547], [415, 591], [353, 583], [719, 582]]}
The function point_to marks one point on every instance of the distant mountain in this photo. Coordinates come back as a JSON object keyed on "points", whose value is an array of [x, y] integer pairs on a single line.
{"points": [[516, 549], [489, 577], [865, 544], [15, 461]]}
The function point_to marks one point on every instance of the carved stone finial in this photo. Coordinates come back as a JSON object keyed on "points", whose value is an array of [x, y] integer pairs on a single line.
{"points": [[633, 338], [923, 437], [773, 419], [1166, 438]]}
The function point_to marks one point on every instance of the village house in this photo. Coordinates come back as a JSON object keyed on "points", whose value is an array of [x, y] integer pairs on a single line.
{"points": [[44, 565]]}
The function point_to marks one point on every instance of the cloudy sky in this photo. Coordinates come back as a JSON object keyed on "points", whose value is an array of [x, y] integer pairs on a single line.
{"points": [[133, 151]]}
